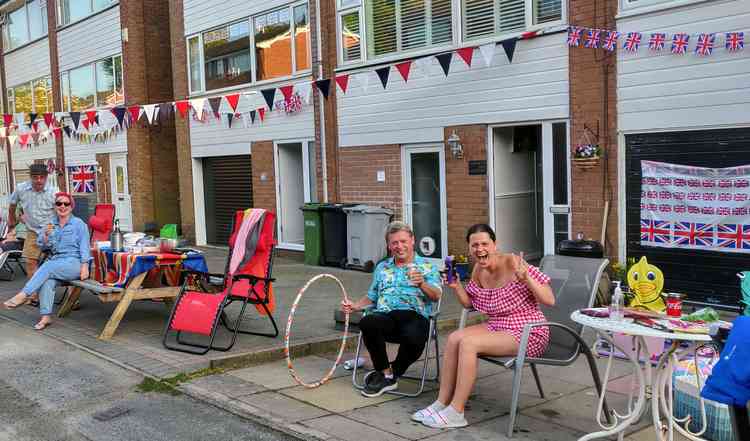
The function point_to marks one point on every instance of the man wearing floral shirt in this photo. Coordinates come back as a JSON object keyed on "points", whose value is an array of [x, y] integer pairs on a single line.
{"points": [[401, 295]]}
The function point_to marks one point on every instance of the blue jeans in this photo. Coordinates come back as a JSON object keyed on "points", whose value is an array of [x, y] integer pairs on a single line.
{"points": [[48, 276]]}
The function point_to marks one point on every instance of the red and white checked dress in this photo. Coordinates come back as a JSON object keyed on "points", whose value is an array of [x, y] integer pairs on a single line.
{"points": [[512, 306]]}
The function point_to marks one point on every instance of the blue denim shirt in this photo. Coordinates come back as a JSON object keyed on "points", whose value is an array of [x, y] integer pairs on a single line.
{"points": [[391, 289], [71, 240]]}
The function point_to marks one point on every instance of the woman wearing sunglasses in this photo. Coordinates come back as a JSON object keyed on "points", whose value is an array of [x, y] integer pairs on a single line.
{"points": [[67, 239]]}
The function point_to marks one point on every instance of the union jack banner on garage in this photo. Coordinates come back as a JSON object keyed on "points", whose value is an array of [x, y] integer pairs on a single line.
{"points": [[695, 207]]}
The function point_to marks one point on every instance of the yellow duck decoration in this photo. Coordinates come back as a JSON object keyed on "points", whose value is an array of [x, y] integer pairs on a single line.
{"points": [[646, 282]]}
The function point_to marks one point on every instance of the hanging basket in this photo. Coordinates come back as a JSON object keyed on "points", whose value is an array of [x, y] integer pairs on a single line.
{"points": [[586, 163]]}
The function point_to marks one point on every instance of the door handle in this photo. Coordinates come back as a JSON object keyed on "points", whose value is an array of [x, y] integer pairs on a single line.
{"points": [[120, 199]]}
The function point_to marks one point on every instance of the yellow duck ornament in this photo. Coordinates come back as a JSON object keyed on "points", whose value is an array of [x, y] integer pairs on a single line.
{"points": [[646, 282]]}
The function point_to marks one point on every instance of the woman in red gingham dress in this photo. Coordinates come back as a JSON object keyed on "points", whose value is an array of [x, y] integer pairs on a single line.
{"points": [[509, 291]]}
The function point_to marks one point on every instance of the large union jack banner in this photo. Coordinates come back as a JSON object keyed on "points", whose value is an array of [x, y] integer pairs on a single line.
{"points": [[695, 207], [83, 178]]}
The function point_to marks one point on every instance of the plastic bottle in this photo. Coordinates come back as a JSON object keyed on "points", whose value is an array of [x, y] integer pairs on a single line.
{"points": [[617, 308]]}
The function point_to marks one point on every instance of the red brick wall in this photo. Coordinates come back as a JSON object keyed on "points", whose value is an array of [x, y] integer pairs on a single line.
{"points": [[359, 167], [593, 110], [467, 196], [264, 191]]}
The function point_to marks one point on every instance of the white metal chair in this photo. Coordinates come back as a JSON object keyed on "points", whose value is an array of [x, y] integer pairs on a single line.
{"points": [[575, 282]]}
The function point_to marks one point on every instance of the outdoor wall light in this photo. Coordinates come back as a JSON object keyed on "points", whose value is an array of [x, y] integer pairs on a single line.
{"points": [[454, 143]]}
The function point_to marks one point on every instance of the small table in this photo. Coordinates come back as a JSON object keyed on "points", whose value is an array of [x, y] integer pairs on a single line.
{"points": [[119, 278], [660, 402]]}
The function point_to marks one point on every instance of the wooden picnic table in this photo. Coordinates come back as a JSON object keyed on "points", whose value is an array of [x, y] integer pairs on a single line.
{"points": [[120, 277]]}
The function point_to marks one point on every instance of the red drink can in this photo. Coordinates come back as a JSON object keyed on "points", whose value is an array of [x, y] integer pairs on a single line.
{"points": [[674, 304]]}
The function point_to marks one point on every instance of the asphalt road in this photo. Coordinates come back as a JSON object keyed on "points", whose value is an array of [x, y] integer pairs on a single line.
{"points": [[52, 391]]}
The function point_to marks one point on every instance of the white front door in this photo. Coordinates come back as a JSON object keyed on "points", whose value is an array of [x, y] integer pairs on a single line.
{"points": [[295, 185], [118, 165], [424, 199]]}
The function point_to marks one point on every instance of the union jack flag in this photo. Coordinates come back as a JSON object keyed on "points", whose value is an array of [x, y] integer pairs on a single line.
{"points": [[574, 36], [592, 38], [693, 233], [83, 178], [656, 42], [735, 41], [655, 231], [733, 236], [632, 41], [680, 43], [705, 44], [610, 43]]}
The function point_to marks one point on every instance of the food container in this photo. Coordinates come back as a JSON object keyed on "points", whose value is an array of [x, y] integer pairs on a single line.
{"points": [[168, 245], [674, 304]]}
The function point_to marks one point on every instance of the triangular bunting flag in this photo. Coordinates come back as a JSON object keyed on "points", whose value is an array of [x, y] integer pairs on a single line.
{"points": [[58, 132], [67, 130], [343, 82], [35, 126], [182, 107], [198, 104], [269, 95], [488, 53], [363, 78], [324, 86], [215, 103], [403, 69], [20, 118], [135, 114], [466, 54], [304, 90], [245, 120], [383, 74], [165, 113], [32, 118], [262, 113], [119, 113], [86, 124], [23, 139], [510, 48], [424, 65], [150, 111], [35, 137], [91, 116], [48, 119], [7, 119], [287, 91], [230, 116], [3, 132], [76, 118], [252, 116], [445, 61], [12, 140], [232, 100]]}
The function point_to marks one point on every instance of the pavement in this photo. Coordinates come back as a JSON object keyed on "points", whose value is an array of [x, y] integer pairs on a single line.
{"points": [[252, 380]]}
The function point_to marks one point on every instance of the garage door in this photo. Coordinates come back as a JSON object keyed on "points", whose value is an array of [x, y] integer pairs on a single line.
{"points": [[227, 187], [705, 276]]}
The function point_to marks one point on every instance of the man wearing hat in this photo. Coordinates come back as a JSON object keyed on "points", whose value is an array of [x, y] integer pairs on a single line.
{"points": [[38, 204]]}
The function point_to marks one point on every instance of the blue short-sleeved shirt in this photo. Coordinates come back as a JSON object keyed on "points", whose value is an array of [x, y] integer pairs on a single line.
{"points": [[39, 206], [391, 290], [71, 240]]}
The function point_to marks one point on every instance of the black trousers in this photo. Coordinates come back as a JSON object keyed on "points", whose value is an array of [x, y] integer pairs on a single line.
{"points": [[405, 327]]}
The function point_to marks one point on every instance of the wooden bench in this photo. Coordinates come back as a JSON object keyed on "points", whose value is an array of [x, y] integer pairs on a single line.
{"points": [[104, 292]]}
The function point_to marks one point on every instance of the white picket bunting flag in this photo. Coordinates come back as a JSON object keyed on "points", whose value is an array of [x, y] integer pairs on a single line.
{"points": [[363, 78], [488, 52], [198, 104], [150, 111], [304, 90], [424, 64]]}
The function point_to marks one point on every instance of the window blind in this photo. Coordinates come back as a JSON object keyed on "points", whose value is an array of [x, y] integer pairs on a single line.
{"points": [[547, 10], [381, 25], [479, 18], [442, 30], [511, 15]]}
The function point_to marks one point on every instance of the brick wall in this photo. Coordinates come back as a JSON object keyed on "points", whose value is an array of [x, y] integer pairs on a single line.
{"points": [[103, 179], [467, 196], [359, 167], [264, 191], [593, 111]]}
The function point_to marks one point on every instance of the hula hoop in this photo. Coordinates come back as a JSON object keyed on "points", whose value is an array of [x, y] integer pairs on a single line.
{"points": [[289, 365]]}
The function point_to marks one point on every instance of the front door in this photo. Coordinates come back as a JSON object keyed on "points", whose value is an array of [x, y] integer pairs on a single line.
{"points": [[118, 165], [295, 185], [424, 199]]}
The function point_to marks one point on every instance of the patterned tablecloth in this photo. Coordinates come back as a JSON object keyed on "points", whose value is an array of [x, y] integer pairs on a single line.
{"points": [[117, 269]]}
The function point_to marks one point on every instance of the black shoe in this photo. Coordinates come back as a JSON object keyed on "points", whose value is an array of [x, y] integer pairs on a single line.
{"points": [[378, 384]]}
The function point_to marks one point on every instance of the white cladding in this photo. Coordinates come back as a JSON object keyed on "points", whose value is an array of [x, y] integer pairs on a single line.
{"points": [[75, 44], [201, 15], [533, 87], [27, 63], [662, 91], [24, 157]]}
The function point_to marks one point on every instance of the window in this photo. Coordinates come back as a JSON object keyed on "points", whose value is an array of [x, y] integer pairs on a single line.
{"points": [[351, 44], [93, 85], [31, 97], [403, 25], [483, 18], [70, 11], [26, 24], [232, 55]]}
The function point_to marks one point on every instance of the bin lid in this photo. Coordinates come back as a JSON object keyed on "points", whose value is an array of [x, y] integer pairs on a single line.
{"points": [[334, 207], [369, 209]]}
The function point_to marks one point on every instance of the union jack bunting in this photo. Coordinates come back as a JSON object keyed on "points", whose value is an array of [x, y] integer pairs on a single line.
{"points": [[632, 41], [610, 43], [705, 44], [656, 42], [693, 233], [734, 236], [592, 39], [83, 178], [574, 36], [680, 43], [735, 41], [655, 231]]}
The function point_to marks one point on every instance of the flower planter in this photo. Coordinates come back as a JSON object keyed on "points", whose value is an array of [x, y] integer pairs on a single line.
{"points": [[586, 163]]}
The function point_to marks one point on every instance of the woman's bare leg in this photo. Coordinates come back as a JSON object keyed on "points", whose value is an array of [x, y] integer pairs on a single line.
{"points": [[485, 342], [450, 361]]}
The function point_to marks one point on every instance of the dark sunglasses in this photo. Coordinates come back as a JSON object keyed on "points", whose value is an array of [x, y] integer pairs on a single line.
{"points": [[61, 203]]}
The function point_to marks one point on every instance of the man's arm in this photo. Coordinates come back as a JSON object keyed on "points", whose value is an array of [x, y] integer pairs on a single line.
{"points": [[11, 216], [431, 291]]}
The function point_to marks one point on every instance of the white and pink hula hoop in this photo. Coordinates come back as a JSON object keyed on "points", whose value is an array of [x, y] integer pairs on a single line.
{"points": [[289, 365]]}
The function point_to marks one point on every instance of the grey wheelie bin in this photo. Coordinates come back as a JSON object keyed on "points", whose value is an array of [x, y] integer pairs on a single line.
{"points": [[365, 244]]}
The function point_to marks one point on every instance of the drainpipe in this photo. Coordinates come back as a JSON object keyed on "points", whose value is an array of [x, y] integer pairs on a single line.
{"points": [[321, 119], [6, 142]]}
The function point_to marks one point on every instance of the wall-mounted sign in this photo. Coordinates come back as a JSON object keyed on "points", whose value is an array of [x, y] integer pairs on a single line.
{"points": [[478, 167]]}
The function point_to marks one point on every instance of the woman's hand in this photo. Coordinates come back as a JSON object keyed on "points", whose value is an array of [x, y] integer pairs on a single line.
{"points": [[347, 306], [84, 271], [453, 284], [520, 268]]}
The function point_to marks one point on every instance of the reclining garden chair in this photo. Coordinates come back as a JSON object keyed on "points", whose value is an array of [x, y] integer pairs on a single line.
{"points": [[101, 223], [575, 282], [247, 279], [9, 258]]}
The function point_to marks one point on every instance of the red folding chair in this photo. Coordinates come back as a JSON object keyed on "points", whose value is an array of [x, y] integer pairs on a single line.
{"points": [[247, 279], [101, 223]]}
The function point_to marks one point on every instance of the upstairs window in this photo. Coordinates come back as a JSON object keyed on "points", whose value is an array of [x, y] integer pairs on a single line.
{"points": [[226, 52], [404, 25], [98, 84], [277, 54], [70, 11], [31, 97], [487, 18], [26, 24]]}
